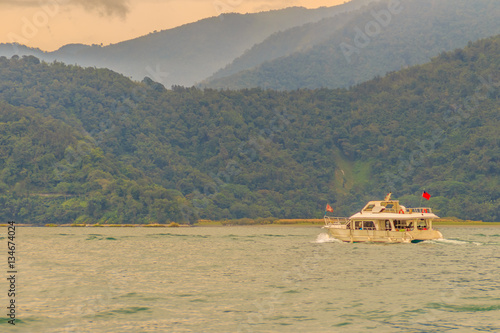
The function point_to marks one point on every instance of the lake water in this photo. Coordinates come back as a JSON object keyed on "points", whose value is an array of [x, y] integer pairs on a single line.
{"points": [[251, 279]]}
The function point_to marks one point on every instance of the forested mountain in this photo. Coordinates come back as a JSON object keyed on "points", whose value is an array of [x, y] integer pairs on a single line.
{"points": [[189, 53], [357, 46], [92, 145]]}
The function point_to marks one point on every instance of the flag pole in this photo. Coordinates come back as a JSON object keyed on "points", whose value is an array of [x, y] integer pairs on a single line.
{"points": [[422, 197]]}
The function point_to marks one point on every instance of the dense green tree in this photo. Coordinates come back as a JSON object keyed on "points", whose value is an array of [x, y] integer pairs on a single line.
{"points": [[91, 145]]}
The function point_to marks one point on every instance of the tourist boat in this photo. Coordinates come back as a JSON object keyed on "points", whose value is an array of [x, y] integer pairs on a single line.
{"points": [[384, 221]]}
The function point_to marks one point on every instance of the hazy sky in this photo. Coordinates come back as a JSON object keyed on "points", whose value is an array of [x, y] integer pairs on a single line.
{"points": [[49, 24]]}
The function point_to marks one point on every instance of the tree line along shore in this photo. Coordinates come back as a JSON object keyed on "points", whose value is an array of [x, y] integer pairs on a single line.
{"points": [[251, 222]]}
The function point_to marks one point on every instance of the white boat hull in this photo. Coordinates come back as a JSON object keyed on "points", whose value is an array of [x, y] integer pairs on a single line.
{"points": [[379, 236]]}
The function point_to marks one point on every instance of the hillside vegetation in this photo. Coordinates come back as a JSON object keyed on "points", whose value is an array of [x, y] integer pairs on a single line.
{"points": [[91, 145]]}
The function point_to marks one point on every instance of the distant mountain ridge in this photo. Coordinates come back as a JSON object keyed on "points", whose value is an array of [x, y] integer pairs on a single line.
{"points": [[291, 48], [342, 52], [187, 54]]}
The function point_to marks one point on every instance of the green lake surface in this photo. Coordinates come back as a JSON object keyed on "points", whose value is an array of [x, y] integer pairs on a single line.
{"points": [[250, 279]]}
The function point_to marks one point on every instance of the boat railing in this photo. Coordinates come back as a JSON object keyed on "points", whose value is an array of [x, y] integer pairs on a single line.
{"points": [[330, 220], [419, 210]]}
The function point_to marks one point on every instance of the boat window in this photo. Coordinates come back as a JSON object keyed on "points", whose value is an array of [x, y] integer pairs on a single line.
{"points": [[388, 226], [368, 225], [364, 225], [399, 224], [389, 207], [403, 225], [369, 208], [422, 225]]}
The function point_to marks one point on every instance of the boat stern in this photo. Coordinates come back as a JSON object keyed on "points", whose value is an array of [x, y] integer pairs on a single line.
{"points": [[422, 235]]}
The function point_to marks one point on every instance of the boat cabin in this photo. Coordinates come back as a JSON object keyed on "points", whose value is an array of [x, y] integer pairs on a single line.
{"points": [[390, 224]]}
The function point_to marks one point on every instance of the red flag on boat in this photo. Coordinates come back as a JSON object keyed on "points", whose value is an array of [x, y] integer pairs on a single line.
{"points": [[329, 208], [426, 195]]}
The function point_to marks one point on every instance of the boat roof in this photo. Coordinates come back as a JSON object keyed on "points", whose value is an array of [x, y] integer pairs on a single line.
{"points": [[393, 216], [388, 209]]}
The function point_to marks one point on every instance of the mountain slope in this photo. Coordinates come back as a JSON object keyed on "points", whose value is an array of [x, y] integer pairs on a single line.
{"points": [[416, 31], [51, 173], [284, 43]]}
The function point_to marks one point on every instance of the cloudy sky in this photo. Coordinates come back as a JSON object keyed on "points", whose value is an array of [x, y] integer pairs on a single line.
{"points": [[49, 24]]}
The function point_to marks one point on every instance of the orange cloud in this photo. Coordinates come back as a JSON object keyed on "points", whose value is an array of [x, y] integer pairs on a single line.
{"points": [[103, 7]]}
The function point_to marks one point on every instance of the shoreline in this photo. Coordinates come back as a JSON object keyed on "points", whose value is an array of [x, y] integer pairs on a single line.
{"points": [[276, 223]]}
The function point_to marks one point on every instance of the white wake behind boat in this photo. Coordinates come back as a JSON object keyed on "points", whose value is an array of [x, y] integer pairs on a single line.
{"points": [[384, 221]]}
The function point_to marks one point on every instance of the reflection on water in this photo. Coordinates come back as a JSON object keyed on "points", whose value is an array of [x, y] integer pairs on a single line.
{"points": [[253, 279]]}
